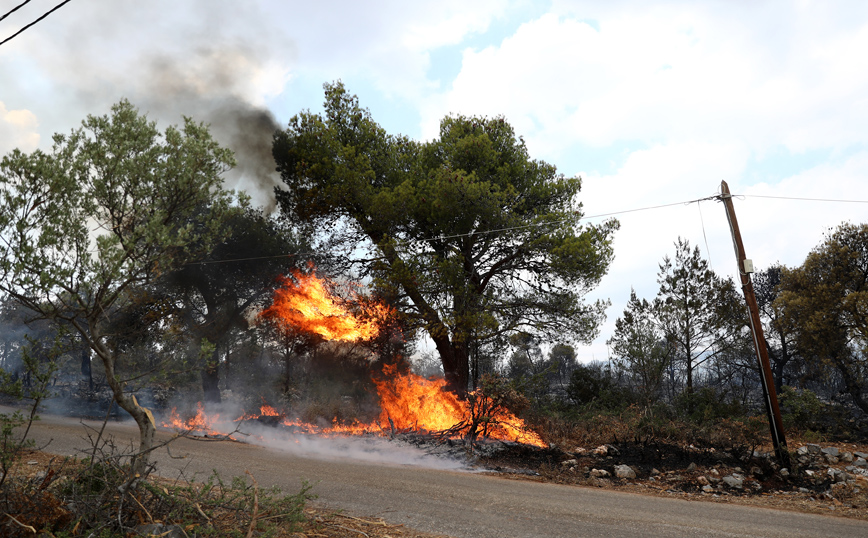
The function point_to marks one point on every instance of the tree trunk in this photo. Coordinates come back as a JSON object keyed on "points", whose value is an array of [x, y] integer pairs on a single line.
{"points": [[139, 465], [456, 365], [211, 378], [86, 371]]}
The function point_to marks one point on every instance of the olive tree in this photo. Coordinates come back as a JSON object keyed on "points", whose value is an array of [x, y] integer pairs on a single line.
{"points": [[113, 205]]}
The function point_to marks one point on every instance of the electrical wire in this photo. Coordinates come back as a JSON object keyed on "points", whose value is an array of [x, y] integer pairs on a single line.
{"points": [[55, 8], [716, 197], [14, 9], [804, 199]]}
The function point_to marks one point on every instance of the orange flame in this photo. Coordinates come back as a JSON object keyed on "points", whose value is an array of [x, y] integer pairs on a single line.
{"points": [[408, 402], [304, 302]]}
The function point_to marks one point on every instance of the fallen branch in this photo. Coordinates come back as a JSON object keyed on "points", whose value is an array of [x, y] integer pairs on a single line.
{"points": [[28, 527]]}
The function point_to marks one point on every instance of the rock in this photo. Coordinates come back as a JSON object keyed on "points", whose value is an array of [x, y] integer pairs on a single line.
{"points": [[612, 451], [624, 471], [785, 473], [601, 450], [812, 448], [655, 472], [863, 455], [600, 473], [735, 481], [707, 489], [830, 459], [703, 481], [569, 463], [846, 457], [691, 467], [756, 486], [802, 451], [715, 472], [756, 471], [831, 451], [861, 462], [579, 451]]}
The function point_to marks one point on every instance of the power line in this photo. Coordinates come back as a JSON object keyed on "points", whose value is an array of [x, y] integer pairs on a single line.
{"points": [[14, 9], [715, 197], [55, 8], [804, 199]]}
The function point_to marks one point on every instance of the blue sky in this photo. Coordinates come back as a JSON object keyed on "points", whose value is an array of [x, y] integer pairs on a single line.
{"points": [[650, 102]]}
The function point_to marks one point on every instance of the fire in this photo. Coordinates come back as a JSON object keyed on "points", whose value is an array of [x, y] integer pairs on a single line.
{"points": [[408, 402], [305, 303], [201, 422]]}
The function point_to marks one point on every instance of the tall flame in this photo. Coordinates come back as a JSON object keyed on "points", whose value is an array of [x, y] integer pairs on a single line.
{"points": [[408, 402], [304, 302]]}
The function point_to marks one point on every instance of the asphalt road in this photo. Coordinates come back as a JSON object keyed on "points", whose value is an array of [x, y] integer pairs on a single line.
{"points": [[453, 502]]}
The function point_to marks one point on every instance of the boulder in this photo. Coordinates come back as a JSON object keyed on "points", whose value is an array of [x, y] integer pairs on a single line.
{"points": [[735, 481], [831, 451], [599, 473], [624, 471]]}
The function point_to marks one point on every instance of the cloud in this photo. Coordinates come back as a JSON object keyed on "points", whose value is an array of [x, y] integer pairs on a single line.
{"points": [[672, 72], [17, 130]]}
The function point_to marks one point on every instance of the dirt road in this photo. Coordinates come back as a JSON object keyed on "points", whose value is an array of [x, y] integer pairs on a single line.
{"points": [[453, 502]]}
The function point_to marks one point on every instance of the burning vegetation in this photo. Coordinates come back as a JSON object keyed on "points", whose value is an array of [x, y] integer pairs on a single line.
{"points": [[307, 307]]}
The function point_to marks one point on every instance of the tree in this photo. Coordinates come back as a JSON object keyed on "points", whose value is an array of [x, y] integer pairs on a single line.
{"points": [[778, 338], [111, 207], [472, 237], [700, 313], [825, 303], [215, 293], [640, 347]]}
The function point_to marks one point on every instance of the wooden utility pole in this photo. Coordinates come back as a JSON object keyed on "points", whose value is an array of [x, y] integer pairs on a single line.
{"points": [[770, 398]]}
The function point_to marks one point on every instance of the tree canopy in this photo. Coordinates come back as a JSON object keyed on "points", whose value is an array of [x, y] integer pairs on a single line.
{"points": [[113, 205], [468, 235], [825, 304]]}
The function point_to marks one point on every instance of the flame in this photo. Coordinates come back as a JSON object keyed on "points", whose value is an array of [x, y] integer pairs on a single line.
{"points": [[408, 403], [304, 302], [201, 422]]}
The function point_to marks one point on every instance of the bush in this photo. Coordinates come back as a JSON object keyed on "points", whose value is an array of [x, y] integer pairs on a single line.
{"points": [[800, 409], [708, 405]]}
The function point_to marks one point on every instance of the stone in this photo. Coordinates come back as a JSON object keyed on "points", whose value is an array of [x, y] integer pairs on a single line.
{"points": [[601, 450], [830, 459], [579, 451], [568, 463], [703, 481], [812, 448], [691, 467], [863, 455], [655, 472], [624, 471], [756, 471], [861, 462], [707, 489], [715, 472], [846, 457], [785, 473], [831, 451], [735, 481], [802, 451], [599, 473]]}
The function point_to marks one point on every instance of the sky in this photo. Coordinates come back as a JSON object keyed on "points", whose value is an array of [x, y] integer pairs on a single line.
{"points": [[651, 103]]}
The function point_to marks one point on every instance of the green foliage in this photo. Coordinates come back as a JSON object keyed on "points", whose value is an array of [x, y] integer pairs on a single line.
{"points": [[700, 313], [707, 405], [114, 205], [825, 304], [800, 409], [591, 388], [471, 236]]}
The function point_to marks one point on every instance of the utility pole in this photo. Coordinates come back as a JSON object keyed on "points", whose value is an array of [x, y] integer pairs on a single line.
{"points": [[745, 267]]}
